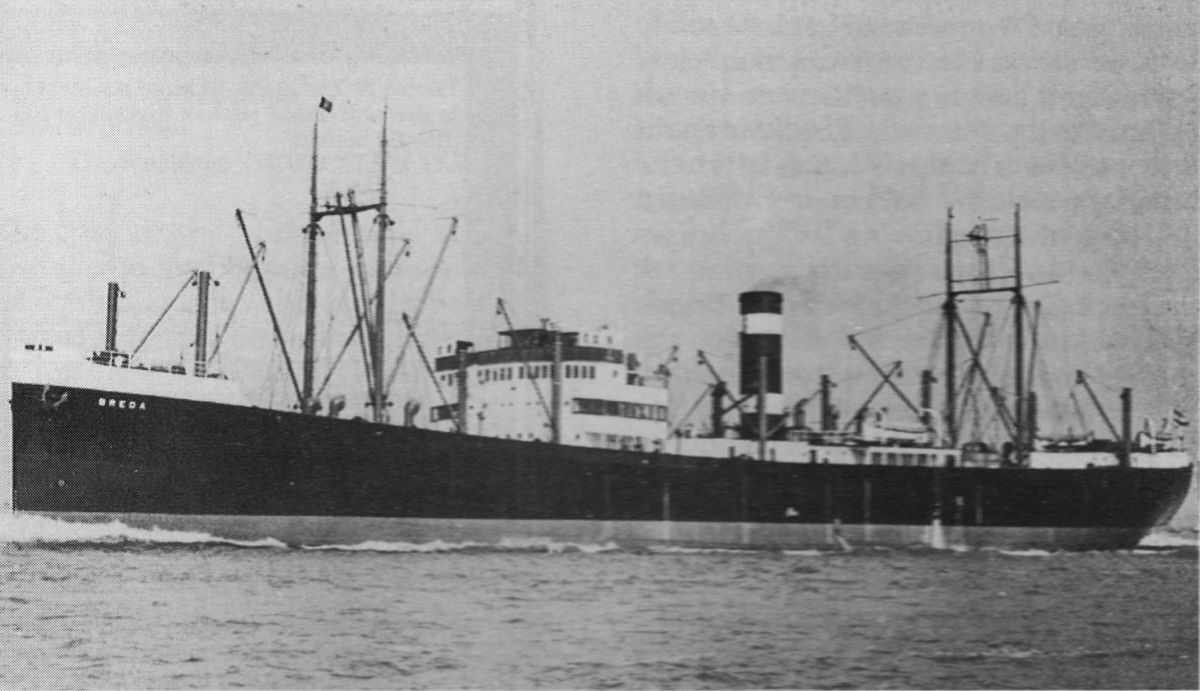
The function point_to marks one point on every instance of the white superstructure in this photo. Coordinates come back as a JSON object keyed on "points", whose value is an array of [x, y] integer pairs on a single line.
{"points": [[583, 383], [61, 370]]}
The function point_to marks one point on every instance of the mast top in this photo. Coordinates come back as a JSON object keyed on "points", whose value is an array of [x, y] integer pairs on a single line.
{"points": [[383, 143], [312, 190]]}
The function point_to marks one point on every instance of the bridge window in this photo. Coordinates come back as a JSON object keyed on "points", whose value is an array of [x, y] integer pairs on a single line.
{"points": [[637, 411]]}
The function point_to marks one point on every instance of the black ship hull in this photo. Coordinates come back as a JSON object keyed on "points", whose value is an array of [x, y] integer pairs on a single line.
{"points": [[243, 472]]}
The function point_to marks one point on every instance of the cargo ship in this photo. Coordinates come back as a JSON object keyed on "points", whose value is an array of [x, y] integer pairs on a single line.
{"points": [[560, 435]]}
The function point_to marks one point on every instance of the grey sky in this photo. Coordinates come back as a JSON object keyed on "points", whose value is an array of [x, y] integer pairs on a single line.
{"points": [[635, 164]]}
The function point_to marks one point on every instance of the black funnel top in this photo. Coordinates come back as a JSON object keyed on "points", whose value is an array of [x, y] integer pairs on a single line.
{"points": [[759, 301]]}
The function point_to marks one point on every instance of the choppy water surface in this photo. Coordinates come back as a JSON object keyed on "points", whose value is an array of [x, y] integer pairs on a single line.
{"points": [[112, 607]]}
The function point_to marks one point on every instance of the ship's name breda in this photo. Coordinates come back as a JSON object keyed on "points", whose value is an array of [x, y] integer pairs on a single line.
{"points": [[122, 403]]}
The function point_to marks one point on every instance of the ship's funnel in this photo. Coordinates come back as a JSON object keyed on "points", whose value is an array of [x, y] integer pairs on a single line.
{"points": [[761, 343]]}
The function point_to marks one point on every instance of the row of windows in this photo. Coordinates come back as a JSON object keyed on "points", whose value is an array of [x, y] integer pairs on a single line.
{"points": [[639, 411], [594, 339], [490, 374], [450, 349], [891, 458], [623, 442], [585, 406], [579, 371]]}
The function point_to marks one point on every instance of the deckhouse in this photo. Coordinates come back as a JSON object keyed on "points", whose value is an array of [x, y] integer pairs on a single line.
{"points": [[543, 384]]}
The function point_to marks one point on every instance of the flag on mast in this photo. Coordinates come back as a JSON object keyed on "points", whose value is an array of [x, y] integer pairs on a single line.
{"points": [[326, 105]]}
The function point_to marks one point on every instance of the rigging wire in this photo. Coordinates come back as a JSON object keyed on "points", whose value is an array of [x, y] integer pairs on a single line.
{"points": [[421, 303], [896, 321], [358, 308], [1113, 389], [1083, 425], [1062, 383], [191, 277], [366, 321], [358, 326], [502, 309], [429, 369], [994, 392], [1057, 414], [1003, 336], [337, 297], [272, 380], [967, 392], [270, 308], [1035, 324], [935, 348], [678, 425], [220, 337]]}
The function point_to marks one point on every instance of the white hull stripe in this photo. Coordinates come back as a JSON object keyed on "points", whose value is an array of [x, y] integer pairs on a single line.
{"points": [[324, 530]]}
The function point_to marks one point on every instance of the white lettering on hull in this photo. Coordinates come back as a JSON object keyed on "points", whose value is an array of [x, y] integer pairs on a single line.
{"points": [[121, 403]]}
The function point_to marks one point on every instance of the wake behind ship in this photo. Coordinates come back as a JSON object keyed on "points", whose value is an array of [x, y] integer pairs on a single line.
{"points": [[560, 435]]}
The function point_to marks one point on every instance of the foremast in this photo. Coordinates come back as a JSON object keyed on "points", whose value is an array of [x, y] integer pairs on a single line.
{"points": [[308, 404], [373, 325]]}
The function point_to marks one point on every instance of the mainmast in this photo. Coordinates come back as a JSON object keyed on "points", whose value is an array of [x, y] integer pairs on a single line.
{"points": [[950, 311], [373, 323], [1018, 301], [378, 402], [985, 283]]}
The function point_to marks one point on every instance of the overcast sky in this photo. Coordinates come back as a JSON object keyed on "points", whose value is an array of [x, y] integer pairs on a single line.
{"points": [[620, 163]]}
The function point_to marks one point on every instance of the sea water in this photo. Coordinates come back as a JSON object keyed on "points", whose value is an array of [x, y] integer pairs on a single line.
{"points": [[107, 606]]}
